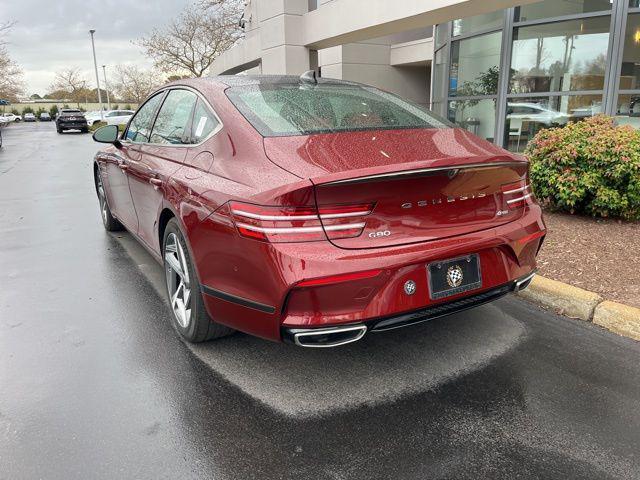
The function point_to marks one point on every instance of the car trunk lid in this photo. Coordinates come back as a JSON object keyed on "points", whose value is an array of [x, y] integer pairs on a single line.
{"points": [[430, 183]]}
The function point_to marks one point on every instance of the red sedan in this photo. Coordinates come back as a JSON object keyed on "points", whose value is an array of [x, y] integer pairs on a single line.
{"points": [[314, 210]]}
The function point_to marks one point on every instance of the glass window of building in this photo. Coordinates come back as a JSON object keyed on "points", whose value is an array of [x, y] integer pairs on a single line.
{"points": [[558, 8], [527, 116], [463, 26], [630, 72], [439, 73], [628, 110], [441, 34], [475, 65], [477, 116], [634, 3], [560, 56]]}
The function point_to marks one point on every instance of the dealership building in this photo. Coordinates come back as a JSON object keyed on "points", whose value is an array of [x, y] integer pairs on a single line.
{"points": [[503, 69]]}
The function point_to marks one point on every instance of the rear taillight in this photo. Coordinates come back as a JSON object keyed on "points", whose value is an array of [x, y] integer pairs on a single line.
{"points": [[518, 194], [299, 224]]}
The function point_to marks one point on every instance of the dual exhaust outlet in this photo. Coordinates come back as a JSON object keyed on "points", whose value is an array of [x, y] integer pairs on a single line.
{"points": [[342, 335]]}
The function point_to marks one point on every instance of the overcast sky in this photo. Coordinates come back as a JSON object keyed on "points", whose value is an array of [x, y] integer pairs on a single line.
{"points": [[54, 34]]}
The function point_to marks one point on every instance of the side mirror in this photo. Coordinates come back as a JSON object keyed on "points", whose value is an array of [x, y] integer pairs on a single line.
{"points": [[107, 134]]}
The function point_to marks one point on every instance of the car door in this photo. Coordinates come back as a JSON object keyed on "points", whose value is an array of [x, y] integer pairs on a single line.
{"points": [[160, 158], [118, 164]]}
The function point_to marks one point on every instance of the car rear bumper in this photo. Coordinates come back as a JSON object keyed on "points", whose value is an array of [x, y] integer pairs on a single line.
{"points": [[341, 335], [73, 125], [258, 286]]}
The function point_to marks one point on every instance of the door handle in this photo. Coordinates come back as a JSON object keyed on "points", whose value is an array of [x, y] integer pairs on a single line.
{"points": [[123, 166], [156, 182]]}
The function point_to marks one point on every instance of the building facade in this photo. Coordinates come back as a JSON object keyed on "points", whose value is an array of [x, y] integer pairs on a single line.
{"points": [[503, 69]]}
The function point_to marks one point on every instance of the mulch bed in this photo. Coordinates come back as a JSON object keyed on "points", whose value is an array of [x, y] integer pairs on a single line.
{"points": [[602, 256]]}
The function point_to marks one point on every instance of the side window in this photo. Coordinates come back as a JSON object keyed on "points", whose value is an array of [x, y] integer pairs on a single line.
{"points": [[140, 125], [204, 122], [173, 118]]}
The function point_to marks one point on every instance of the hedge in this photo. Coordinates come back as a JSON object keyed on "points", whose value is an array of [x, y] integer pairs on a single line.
{"points": [[590, 167]]}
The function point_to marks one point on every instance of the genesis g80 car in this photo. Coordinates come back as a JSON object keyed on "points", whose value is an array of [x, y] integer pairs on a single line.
{"points": [[313, 210]]}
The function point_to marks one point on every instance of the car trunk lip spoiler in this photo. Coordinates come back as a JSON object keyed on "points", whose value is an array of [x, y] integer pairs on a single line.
{"points": [[423, 171]]}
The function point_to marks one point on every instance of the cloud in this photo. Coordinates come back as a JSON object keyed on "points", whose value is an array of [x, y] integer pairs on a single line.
{"points": [[49, 36]]}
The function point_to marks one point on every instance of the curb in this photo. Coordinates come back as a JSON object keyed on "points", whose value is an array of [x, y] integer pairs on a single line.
{"points": [[582, 304]]}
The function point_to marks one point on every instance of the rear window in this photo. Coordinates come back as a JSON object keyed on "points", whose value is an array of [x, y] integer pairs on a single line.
{"points": [[290, 109], [70, 112]]}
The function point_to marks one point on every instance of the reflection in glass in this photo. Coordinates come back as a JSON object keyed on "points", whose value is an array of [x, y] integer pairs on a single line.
{"points": [[557, 8], [527, 116], [561, 56], [439, 72], [634, 3], [628, 111], [630, 73], [486, 21], [441, 34], [475, 65], [477, 116]]}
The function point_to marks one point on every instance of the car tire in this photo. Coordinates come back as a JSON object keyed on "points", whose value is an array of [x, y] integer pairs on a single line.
{"points": [[59, 130], [85, 130], [111, 224], [189, 316]]}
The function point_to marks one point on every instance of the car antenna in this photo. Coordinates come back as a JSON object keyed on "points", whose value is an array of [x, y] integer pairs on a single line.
{"points": [[309, 77]]}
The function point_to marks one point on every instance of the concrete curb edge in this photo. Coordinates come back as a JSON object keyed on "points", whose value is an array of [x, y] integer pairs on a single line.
{"points": [[582, 304]]}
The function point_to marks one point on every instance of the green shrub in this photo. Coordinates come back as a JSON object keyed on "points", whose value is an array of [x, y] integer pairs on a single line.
{"points": [[15, 111], [590, 167], [96, 126], [27, 110], [53, 111]]}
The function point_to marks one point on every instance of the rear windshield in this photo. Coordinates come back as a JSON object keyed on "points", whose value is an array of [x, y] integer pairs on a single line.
{"points": [[283, 110], [70, 112]]}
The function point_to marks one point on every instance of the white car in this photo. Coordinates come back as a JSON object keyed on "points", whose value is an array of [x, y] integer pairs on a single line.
{"points": [[93, 117], [532, 112], [10, 117], [118, 117]]}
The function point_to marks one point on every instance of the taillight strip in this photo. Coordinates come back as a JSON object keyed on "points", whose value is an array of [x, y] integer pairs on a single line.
{"points": [[519, 199], [521, 189], [291, 218], [331, 228]]}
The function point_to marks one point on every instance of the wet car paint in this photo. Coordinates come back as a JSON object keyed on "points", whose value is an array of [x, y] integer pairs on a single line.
{"points": [[95, 383]]}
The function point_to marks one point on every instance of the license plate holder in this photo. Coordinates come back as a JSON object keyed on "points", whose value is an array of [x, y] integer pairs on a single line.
{"points": [[453, 276]]}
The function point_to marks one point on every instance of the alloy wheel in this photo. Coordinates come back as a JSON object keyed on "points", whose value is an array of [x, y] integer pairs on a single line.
{"points": [[103, 200], [178, 283]]}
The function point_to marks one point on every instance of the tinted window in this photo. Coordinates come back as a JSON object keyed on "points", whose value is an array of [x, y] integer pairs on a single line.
{"points": [[292, 109], [173, 118], [140, 125], [204, 122]]}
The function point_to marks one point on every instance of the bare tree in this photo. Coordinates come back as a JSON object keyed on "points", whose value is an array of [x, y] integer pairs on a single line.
{"points": [[133, 84], [10, 73], [190, 43], [71, 81]]}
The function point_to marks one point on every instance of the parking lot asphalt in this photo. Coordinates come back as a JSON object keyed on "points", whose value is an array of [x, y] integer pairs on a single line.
{"points": [[94, 382]]}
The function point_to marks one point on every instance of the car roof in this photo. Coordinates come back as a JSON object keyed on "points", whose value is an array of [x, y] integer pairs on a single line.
{"points": [[250, 80]]}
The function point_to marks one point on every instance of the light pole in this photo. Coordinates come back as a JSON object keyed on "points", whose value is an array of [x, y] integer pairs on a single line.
{"points": [[95, 65], [106, 87]]}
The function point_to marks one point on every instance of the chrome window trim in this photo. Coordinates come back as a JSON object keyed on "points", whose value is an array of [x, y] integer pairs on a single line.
{"points": [[166, 91]]}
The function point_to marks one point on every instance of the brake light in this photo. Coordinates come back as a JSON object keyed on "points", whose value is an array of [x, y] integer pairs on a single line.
{"points": [[518, 194], [299, 224]]}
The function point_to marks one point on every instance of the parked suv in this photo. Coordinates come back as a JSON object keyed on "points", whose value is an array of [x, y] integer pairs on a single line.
{"points": [[70, 119]]}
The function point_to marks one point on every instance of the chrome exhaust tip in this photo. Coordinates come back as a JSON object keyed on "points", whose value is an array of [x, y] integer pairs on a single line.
{"points": [[524, 282], [326, 337]]}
